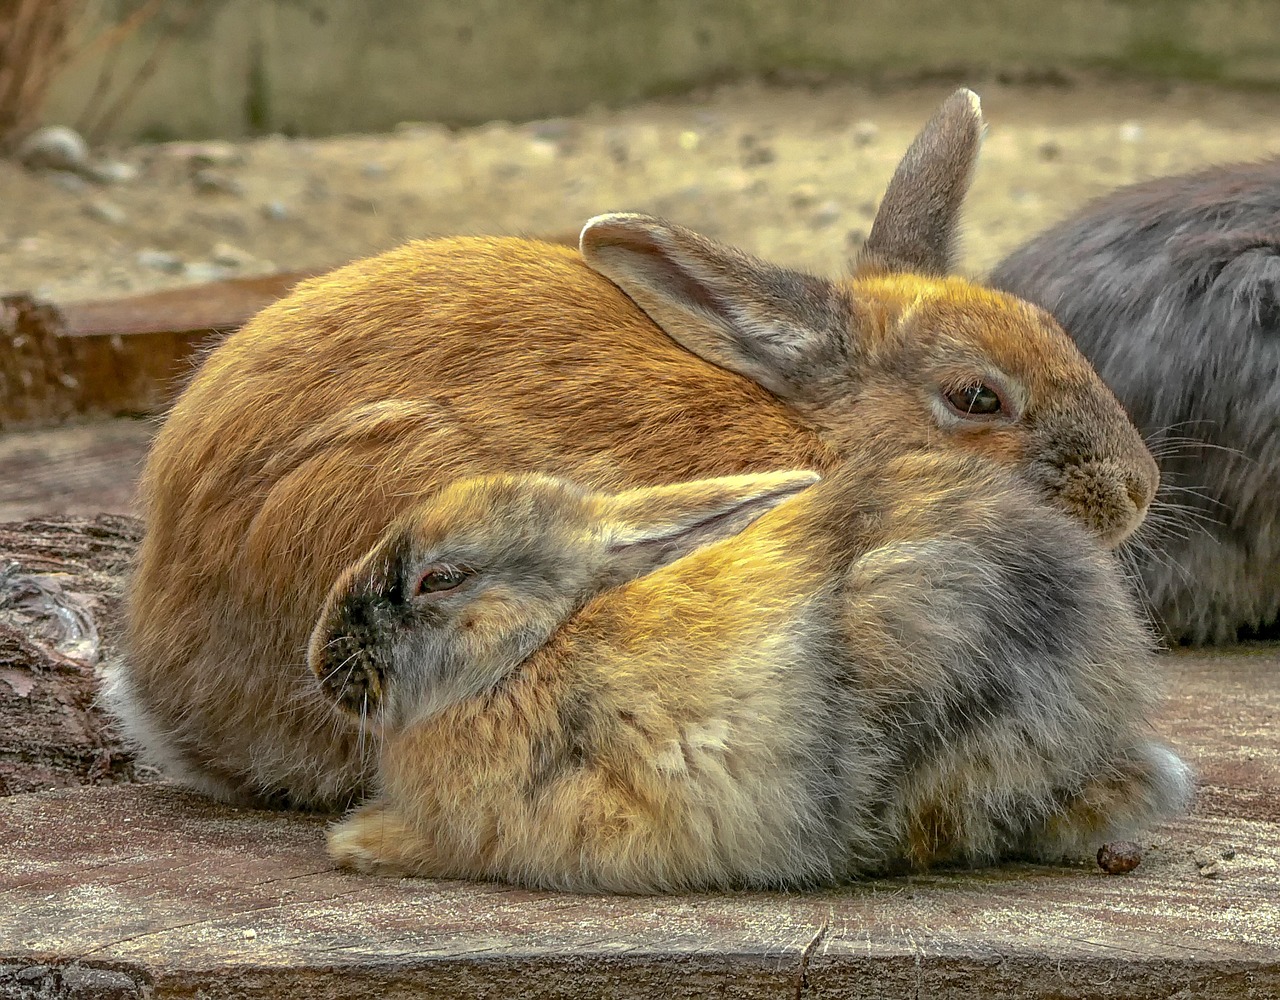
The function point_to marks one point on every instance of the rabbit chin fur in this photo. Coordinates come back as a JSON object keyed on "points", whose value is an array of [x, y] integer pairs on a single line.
{"points": [[1172, 289], [895, 669], [651, 356]]}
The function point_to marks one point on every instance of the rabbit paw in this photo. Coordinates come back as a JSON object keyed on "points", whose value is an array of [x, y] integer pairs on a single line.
{"points": [[375, 840]]}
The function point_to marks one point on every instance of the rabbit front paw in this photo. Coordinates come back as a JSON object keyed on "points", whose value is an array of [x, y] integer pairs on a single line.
{"points": [[375, 840]]}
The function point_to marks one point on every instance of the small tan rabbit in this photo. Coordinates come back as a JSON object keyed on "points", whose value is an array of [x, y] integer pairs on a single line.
{"points": [[914, 662], [652, 356]]}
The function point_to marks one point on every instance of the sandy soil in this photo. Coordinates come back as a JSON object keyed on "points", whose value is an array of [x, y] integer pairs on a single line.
{"points": [[793, 174]]}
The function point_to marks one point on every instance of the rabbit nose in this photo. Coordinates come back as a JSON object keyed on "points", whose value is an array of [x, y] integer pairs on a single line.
{"points": [[1140, 492], [1142, 480]]}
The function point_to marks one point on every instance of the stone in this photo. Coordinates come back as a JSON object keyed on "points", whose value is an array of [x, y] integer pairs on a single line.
{"points": [[54, 147], [112, 172], [159, 260], [208, 181], [105, 211]]}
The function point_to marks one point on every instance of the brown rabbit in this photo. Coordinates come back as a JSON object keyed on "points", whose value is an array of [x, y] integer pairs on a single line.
{"points": [[913, 662], [652, 356]]}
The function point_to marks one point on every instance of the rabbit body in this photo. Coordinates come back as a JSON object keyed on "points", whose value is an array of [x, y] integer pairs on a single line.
{"points": [[1172, 289], [653, 356], [912, 663]]}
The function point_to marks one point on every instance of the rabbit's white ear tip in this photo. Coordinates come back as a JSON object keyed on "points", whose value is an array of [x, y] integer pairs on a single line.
{"points": [[598, 222], [975, 102]]}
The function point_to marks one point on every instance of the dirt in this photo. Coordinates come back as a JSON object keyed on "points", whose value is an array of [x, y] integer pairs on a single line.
{"points": [[791, 173]]}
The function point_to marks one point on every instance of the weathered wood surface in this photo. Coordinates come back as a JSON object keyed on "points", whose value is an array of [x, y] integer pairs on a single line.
{"points": [[115, 356], [85, 469], [60, 582], [175, 896]]}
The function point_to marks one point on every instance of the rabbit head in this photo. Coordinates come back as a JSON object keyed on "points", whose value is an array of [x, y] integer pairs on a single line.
{"points": [[463, 588], [899, 351]]}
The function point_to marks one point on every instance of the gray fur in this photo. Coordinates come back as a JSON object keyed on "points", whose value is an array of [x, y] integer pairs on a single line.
{"points": [[962, 677], [1172, 290]]}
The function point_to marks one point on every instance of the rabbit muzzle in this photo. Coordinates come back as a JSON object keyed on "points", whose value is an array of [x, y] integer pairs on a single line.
{"points": [[345, 656]]}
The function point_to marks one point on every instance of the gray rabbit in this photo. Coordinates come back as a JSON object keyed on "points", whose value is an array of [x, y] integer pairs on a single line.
{"points": [[1172, 289]]}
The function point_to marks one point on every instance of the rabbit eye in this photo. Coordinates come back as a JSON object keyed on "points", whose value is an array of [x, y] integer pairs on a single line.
{"points": [[438, 579], [975, 401]]}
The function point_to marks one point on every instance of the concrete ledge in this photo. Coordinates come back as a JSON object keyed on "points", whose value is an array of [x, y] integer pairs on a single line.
{"points": [[149, 891], [328, 66]]}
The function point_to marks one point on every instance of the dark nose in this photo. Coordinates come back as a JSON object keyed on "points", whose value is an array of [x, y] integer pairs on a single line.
{"points": [[1140, 491]]}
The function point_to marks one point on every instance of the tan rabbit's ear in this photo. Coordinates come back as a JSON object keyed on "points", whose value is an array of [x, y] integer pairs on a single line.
{"points": [[916, 226], [785, 330], [647, 528]]}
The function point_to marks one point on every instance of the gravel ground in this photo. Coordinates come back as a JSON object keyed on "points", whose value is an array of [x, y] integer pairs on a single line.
{"points": [[790, 173]]}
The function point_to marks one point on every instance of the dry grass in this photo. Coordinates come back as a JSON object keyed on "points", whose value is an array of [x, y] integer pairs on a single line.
{"points": [[33, 47], [38, 38]]}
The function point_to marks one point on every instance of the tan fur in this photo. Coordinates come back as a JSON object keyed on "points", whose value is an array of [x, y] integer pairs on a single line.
{"points": [[367, 390], [730, 720]]}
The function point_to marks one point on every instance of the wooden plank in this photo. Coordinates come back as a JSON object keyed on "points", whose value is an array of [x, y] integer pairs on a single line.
{"points": [[82, 469], [116, 357], [218, 305], [48, 378], [183, 896]]}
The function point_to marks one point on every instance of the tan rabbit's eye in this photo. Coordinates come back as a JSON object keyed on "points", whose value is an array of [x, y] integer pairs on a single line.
{"points": [[438, 579], [975, 401]]}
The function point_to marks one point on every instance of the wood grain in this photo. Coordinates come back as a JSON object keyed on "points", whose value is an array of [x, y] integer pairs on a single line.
{"points": [[185, 898]]}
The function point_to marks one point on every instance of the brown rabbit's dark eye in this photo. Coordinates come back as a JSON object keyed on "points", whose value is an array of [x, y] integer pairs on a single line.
{"points": [[975, 400], [438, 579]]}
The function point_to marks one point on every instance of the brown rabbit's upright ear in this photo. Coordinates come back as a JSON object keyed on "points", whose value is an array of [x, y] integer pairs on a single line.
{"points": [[785, 330], [647, 528], [916, 226]]}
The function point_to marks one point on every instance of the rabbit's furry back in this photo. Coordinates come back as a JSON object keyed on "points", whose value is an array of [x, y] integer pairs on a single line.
{"points": [[1172, 289]]}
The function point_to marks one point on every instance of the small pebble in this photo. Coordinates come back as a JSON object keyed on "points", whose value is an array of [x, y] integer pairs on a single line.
{"points": [[209, 181], [543, 150], [1119, 857], [54, 147], [203, 271], [754, 152], [105, 211], [68, 181], [804, 195], [1049, 151], [276, 211], [551, 129], [826, 213], [159, 260], [207, 154], [1212, 870], [1130, 132], [864, 133], [689, 141], [249, 934], [113, 172], [228, 255]]}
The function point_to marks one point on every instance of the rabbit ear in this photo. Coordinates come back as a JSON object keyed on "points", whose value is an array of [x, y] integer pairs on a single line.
{"points": [[647, 528], [785, 330], [915, 227]]}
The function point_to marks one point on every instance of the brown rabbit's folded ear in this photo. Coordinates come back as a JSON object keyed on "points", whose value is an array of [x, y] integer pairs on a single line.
{"points": [[916, 226], [649, 527], [787, 331]]}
